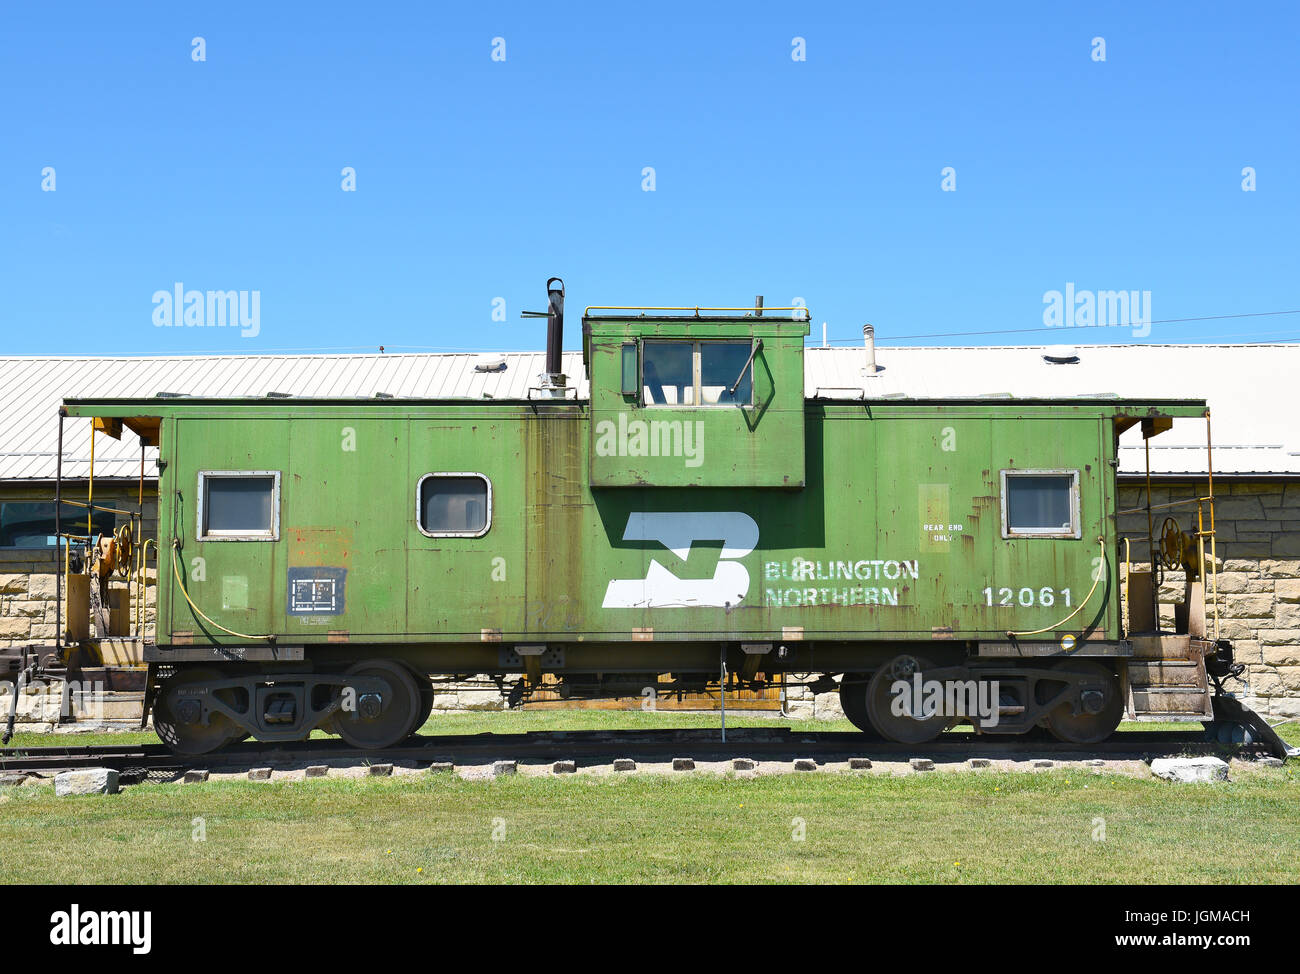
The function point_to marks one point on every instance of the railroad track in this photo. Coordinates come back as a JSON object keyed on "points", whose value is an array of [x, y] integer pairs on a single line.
{"points": [[591, 746]]}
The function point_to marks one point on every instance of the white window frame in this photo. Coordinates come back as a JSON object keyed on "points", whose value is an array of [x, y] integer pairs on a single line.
{"points": [[1076, 528], [697, 388], [419, 513], [202, 532]]}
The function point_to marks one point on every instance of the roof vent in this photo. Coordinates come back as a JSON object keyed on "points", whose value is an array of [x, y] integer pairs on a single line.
{"points": [[491, 365], [869, 346], [1061, 355]]}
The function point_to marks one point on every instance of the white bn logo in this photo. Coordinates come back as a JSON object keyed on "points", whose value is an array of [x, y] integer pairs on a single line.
{"points": [[677, 531]]}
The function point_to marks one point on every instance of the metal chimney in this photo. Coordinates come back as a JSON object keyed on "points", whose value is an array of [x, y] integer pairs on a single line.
{"points": [[554, 327], [552, 382], [869, 345]]}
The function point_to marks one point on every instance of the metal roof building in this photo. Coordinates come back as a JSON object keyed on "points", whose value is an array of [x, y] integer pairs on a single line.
{"points": [[1251, 390], [31, 389]]}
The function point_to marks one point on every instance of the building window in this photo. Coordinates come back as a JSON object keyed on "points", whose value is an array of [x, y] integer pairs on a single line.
{"points": [[705, 373], [239, 505], [31, 524], [1040, 504], [453, 505]]}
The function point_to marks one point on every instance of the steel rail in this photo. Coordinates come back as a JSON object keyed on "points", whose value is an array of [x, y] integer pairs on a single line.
{"points": [[759, 743]]}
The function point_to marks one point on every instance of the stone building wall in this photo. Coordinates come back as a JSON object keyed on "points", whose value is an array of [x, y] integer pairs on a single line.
{"points": [[1257, 527]]}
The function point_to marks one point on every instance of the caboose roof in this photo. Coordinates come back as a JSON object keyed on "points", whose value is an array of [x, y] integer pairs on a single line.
{"points": [[1250, 389]]}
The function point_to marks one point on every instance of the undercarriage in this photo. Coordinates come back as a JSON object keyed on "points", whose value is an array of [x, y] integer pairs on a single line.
{"points": [[907, 696]]}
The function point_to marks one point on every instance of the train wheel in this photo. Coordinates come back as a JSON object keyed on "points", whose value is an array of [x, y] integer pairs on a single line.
{"points": [[425, 686], [1100, 711], [904, 727], [176, 715], [853, 701], [381, 720]]}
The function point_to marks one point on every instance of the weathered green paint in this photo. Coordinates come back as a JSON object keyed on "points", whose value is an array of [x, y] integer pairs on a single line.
{"points": [[846, 557]]}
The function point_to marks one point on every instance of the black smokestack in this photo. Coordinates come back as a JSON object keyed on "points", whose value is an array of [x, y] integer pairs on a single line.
{"points": [[554, 324]]}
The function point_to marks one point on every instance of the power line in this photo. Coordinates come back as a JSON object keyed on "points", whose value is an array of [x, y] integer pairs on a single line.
{"points": [[1063, 328]]}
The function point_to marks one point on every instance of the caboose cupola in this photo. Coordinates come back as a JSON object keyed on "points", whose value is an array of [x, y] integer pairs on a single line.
{"points": [[696, 397]]}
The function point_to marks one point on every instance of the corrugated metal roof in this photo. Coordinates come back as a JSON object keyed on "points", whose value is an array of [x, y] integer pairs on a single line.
{"points": [[1251, 390], [32, 388]]}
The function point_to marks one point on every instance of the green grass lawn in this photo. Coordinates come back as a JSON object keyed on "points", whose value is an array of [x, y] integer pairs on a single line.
{"points": [[941, 827], [936, 828]]}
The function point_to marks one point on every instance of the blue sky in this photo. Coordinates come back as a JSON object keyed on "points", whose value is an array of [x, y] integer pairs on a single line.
{"points": [[477, 178]]}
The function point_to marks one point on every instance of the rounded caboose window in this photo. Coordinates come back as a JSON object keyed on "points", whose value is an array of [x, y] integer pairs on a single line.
{"points": [[456, 505]]}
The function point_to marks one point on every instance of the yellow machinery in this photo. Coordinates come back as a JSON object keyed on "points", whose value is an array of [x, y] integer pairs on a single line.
{"points": [[1168, 674], [91, 564]]}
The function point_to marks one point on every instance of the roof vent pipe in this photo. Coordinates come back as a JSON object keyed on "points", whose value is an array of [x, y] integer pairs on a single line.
{"points": [[552, 381], [869, 344], [554, 326]]}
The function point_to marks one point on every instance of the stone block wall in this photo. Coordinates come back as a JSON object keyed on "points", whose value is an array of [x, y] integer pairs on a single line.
{"points": [[1257, 527]]}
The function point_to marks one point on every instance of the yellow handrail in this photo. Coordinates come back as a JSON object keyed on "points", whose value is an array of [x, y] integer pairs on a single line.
{"points": [[142, 579], [696, 308], [1186, 501], [1214, 555], [90, 484], [97, 507]]}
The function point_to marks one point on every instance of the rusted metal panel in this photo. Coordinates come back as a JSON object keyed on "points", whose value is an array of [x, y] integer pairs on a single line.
{"points": [[1182, 673], [1158, 646]]}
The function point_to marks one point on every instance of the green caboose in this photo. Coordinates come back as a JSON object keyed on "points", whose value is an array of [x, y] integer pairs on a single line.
{"points": [[697, 514]]}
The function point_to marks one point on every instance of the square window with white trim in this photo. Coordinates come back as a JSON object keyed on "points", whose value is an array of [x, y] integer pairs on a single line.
{"points": [[239, 505], [453, 505], [698, 373], [1040, 504]]}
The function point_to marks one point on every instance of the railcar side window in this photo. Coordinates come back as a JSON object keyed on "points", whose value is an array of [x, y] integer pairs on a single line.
{"points": [[1040, 503], [703, 373], [454, 505], [724, 365], [239, 505], [668, 374]]}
